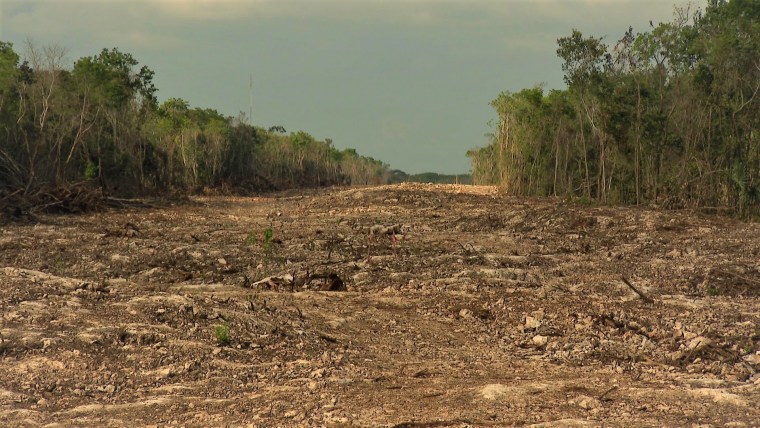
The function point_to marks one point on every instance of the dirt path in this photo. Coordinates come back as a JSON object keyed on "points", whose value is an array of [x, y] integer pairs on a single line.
{"points": [[464, 308]]}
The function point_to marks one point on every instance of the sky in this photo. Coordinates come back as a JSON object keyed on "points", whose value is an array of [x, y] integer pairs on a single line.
{"points": [[407, 82]]}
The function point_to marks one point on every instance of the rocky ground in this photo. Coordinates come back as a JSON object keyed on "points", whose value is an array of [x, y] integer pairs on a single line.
{"points": [[406, 306]]}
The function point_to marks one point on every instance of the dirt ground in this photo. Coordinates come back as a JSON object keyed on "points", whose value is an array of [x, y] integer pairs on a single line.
{"points": [[450, 306]]}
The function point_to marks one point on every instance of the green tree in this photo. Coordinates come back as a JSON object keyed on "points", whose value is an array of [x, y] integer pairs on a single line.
{"points": [[113, 76], [668, 116], [585, 62]]}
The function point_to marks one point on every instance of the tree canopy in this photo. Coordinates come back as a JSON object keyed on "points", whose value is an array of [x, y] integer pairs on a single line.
{"points": [[99, 125], [668, 116]]}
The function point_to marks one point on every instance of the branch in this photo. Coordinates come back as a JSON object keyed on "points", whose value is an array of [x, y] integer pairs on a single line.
{"points": [[643, 296], [744, 104]]}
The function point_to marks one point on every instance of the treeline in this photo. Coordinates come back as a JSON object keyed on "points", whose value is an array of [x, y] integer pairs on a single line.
{"points": [[398, 176], [99, 125], [669, 116]]}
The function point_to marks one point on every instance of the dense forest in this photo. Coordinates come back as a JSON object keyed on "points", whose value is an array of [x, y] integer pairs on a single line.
{"points": [[667, 117], [68, 133]]}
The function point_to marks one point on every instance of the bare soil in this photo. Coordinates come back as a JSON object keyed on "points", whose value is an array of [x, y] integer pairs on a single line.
{"points": [[463, 308]]}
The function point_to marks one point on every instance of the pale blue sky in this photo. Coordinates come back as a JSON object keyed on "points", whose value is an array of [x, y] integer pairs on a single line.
{"points": [[407, 82]]}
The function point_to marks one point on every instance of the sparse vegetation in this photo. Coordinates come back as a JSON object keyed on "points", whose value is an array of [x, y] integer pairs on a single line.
{"points": [[250, 239], [222, 333], [490, 285], [267, 241], [712, 290]]}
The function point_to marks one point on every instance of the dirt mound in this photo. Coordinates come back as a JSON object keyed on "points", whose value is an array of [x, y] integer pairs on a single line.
{"points": [[448, 306]]}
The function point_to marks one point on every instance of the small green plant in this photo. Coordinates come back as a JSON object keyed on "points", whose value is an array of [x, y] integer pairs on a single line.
{"points": [[268, 240], [267, 244], [749, 349], [59, 266], [91, 170], [712, 290], [222, 332]]}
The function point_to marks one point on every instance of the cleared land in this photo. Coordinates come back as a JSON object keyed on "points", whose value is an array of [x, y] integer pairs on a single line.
{"points": [[463, 308]]}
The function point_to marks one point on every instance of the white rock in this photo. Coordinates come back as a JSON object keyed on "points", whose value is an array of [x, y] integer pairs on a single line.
{"points": [[119, 258], [588, 403], [337, 322], [698, 343], [532, 322], [495, 391], [360, 277], [753, 359]]}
